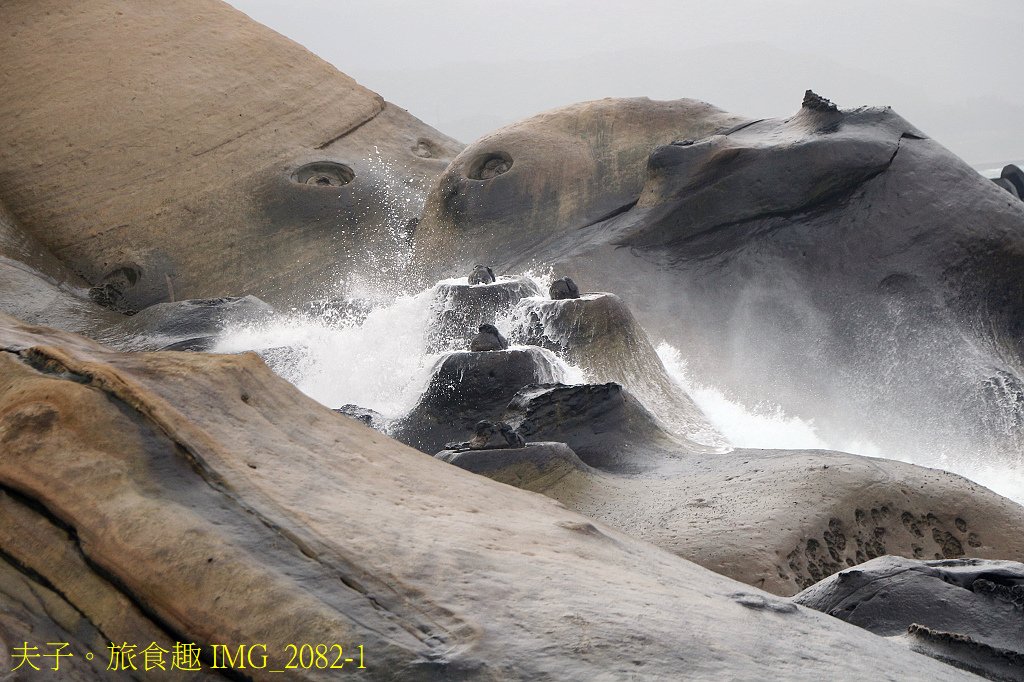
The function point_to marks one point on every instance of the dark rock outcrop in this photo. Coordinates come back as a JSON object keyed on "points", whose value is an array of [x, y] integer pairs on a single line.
{"points": [[966, 612], [371, 418], [468, 387], [605, 425], [488, 338], [187, 325], [599, 334], [816, 261], [482, 275], [563, 288]]}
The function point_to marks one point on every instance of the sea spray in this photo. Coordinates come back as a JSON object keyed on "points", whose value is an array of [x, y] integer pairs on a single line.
{"points": [[768, 426]]}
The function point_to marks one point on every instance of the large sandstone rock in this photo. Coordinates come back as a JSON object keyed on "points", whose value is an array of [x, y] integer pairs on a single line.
{"points": [[200, 498], [965, 612], [551, 175], [781, 520], [180, 150], [838, 263]]}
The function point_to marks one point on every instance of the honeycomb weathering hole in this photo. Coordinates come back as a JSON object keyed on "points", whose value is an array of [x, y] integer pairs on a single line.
{"points": [[489, 165], [324, 174]]}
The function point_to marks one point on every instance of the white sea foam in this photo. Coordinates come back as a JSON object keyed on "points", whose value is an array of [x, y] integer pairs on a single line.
{"points": [[768, 426]]}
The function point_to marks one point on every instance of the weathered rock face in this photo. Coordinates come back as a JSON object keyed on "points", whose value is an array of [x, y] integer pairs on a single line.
{"points": [[602, 423], [817, 262], [459, 308], [467, 387], [599, 334], [965, 612], [180, 150], [188, 325], [190, 497], [550, 175], [780, 519]]}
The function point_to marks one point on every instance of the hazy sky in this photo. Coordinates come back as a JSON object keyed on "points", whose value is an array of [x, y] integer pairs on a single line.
{"points": [[954, 68]]}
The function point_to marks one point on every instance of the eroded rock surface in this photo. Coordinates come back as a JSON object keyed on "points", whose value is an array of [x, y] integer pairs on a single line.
{"points": [[211, 502], [228, 139], [967, 612], [816, 261]]}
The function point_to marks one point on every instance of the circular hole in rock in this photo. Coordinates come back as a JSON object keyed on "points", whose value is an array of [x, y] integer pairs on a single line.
{"points": [[489, 165], [324, 174], [424, 149]]}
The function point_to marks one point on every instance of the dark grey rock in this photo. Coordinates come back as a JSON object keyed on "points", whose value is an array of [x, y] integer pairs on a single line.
{"points": [[371, 418], [488, 338], [510, 464], [188, 325], [563, 288], [606, 426], [467, 388], [482, 275], [966, 612]]}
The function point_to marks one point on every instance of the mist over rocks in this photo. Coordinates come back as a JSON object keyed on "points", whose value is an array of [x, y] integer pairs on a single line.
{"points": [[838, 263], [299, 524], [175, 174]]}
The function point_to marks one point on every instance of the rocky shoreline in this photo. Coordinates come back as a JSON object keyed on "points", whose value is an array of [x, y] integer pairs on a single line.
{"points": [[554, 505]]}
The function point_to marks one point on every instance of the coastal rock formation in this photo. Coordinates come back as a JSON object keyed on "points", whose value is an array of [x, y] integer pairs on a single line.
{"points": [[598, 333], [602, 423], [458, 308], [233, 161], [198, 498], [781, 520], [560, 171], [966, 612], [817, 261], [467, 387], [188, 325]]}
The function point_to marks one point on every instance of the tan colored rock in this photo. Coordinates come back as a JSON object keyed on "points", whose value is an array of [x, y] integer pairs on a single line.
{"points": [[560, 171], [783, 520], [228, 508], [166, 142]]}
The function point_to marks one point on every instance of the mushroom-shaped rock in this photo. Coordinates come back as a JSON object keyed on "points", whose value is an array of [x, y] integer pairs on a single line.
{"points": [[457, 306], [598, 333], [468, 387]]}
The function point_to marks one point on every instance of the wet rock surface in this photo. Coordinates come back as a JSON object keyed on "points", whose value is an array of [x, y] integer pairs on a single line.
{"points": [[598, 333], [781, 255], [468, 387], [458, 309], [605, 425], [967, 612]]}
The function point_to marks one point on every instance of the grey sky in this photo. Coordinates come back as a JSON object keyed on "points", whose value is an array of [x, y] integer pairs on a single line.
{"points": [[953, 68]]}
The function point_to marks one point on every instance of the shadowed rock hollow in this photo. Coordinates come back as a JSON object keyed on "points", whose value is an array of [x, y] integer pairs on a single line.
{"points": [[188, 497]]}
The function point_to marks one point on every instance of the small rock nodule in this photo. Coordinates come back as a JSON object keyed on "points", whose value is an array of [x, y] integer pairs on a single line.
{"points": [[482, 275], [488, 338], [563, 288]]}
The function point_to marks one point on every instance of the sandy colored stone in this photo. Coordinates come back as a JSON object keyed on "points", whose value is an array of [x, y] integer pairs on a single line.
{"points": [[164, 138], [237, 510]]}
